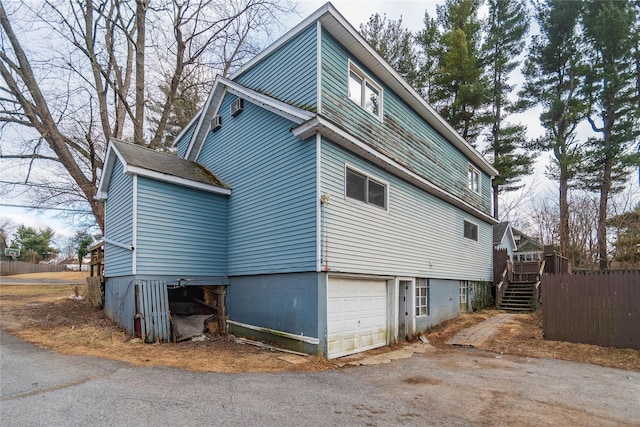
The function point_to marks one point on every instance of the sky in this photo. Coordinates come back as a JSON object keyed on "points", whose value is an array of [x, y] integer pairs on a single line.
{"points": [[356, 12]]}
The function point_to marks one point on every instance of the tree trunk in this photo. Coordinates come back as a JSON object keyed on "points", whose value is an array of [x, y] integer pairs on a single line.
{"points": [[138, 131], [564, 212]]}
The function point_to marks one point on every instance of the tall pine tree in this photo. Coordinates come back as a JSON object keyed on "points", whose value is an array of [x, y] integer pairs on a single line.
{"points": [[506, 28], [553, 71], [395, 44], [610, 86], [458, 90]]}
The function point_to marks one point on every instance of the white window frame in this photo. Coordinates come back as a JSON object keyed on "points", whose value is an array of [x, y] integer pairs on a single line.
{"points": [[474, 180], [366, 80], [422, 301], [368, 178], [476, 227], [464, 292]]}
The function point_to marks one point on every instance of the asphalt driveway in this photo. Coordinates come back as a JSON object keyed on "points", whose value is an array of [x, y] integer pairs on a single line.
{"points": [[459, 387]]}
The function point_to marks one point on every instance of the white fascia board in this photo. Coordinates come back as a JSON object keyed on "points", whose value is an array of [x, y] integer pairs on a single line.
{"points": [[295, 114], [344, 139], [198, 134], [342, 30], [289, 35], [134, 170], [184, 129], [107, 170], [223, 85]]}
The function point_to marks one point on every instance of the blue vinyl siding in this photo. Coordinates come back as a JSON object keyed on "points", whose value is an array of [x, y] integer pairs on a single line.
{"points": [[184, 142], [289, 74], [272, 212], [419, 236], [119, 222], [283, 302], [444, 303], [403, 135], [181, 230]]}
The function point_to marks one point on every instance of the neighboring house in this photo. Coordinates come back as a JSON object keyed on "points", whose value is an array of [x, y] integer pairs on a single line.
{"points": [[528, 248], [337, 210], [503, 238]]}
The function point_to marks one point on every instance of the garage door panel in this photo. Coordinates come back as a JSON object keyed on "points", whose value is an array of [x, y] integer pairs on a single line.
{"points": [[356, 315]]}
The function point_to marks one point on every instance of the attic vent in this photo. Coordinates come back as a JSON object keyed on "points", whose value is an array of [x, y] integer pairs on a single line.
{"points": [[216, 123], [236, 107]]}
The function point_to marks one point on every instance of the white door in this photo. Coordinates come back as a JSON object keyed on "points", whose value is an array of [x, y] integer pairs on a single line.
{"points": [[356, 315]]}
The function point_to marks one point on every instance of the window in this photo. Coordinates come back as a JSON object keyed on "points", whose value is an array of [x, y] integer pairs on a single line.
{"points": [[474, 180], [364, 92], [464, 289], [366, 189], [422, 297], [470, 231]]}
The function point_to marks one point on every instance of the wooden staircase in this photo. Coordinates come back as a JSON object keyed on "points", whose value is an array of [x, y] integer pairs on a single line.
{"points": [[518, 296], [518, 289]]}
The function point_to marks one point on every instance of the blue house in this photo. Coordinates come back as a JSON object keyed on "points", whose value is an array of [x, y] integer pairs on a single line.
{"points": [[324, 202]]}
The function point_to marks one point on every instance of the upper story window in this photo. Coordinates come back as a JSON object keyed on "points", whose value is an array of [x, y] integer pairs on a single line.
{"points": [[470, 231], [366, 189], [364, 91], [473, 180]]}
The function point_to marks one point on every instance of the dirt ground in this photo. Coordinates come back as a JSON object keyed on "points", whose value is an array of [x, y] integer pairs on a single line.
{"points": [[45, 316]]}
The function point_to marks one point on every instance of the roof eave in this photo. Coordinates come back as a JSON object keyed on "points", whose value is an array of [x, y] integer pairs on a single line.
{"points": [[345, 140]]}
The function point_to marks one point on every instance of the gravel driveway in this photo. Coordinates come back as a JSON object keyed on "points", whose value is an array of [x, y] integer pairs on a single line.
{"points": [[458, 387]]}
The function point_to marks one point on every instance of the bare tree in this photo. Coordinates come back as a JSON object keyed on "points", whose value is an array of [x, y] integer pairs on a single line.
{"points": [[89, 71]]}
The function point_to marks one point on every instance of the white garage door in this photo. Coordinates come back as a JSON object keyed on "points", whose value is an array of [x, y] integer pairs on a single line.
{"points": [[356, 315]]}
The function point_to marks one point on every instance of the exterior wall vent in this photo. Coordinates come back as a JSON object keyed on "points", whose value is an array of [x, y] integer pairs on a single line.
{"points": [[236, 107], [216, 123]]}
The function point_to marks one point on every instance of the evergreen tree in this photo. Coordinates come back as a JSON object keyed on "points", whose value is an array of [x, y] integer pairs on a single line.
{"points": [[458, 90], [430, 50], [627, 242], [610, 87], [395, 44], [35, 245], [507, 26], [552, 73]]}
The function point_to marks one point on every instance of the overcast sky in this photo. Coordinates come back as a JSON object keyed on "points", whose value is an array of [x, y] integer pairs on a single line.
{"points": [[356, 12]]}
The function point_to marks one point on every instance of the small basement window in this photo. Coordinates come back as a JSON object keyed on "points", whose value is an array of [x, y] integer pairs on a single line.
{"points": [[364, 91], [365, 189], [470, 231], [422, 297]]}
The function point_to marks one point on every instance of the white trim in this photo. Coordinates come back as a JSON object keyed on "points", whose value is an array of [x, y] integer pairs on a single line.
{"points": [[134, 231], [472, 168], [118, 244], [477, 230], [333, 22], [107, 170], [359, 276], [353, 67], [309, 340], [369, 176], [319, 207], [348, 141], [410, 329], [223, 85], [291, 34], [184, 130], [137, 171], [319, 67], [296, 115]]}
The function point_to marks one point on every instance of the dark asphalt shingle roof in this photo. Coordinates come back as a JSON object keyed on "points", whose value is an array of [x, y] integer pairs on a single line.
{"points": [[164, 163]]}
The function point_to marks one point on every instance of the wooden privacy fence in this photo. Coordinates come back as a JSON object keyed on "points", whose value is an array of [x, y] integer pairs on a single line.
{"points": [[597, 308], [8, 268]]}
